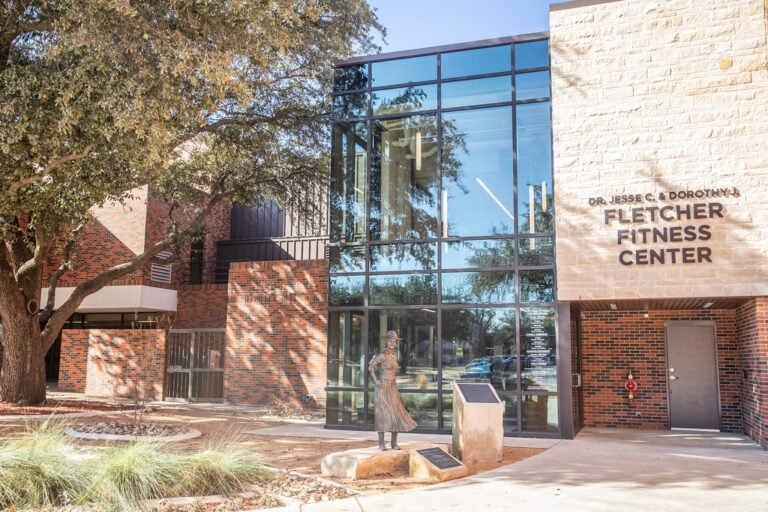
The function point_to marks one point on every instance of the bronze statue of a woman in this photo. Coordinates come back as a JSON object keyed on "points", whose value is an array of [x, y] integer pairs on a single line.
{"points": [[389, 411]]}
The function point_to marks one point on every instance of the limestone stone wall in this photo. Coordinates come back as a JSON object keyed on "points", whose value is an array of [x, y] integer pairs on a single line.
{"points": [[651, 97]]}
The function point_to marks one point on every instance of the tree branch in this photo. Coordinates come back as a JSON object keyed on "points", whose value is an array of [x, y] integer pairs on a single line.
{"points": [[56, 163], [66, 264], [57, 319], [42, 248]]}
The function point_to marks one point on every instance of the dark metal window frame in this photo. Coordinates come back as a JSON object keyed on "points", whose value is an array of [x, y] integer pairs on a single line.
{"points": [[516, 235]]}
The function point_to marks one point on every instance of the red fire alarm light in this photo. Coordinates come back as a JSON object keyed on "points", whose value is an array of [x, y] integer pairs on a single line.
{"points": [[631, 386]]}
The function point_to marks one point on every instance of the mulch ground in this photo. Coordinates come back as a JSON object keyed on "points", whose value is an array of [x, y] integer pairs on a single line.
{"points": [[302, 454], [60, 407]]}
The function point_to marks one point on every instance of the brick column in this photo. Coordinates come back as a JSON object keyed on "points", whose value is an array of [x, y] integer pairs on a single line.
{"points": [[277, 332], [752, 328], [120, 363]]}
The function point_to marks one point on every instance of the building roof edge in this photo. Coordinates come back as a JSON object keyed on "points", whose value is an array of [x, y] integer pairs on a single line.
{"points": [[440, 49], [573, 4]]}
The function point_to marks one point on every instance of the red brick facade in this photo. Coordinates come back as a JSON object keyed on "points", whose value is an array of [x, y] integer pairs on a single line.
{"points": [[215, 228], [277, 332], [125, 363], [202, 306], [752, 329], [116, 234], [120, 232], [617, 342]]}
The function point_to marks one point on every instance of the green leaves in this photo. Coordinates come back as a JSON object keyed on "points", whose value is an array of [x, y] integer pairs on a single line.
{"points": [[102, 96]]}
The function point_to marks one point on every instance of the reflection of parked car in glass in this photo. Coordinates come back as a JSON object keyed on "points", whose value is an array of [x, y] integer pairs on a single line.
{"points": [[480, 368]]}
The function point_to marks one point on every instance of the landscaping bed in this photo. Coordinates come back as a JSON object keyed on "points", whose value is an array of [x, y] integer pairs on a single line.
{"points": [[296, 459], [128, 428], [285, 488]]}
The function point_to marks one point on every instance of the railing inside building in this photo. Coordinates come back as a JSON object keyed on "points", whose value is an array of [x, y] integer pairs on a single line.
{"points": [[270, 249]]}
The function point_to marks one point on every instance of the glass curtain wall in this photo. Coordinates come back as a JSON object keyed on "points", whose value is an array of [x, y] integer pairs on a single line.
{"points": [[442, 230]]}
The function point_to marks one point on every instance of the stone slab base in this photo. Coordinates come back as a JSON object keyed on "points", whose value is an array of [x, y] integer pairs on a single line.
{"points": [[369, 462], [423, 468]]}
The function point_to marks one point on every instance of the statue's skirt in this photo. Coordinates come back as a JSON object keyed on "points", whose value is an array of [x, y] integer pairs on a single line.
{"points": [[389, 411]]}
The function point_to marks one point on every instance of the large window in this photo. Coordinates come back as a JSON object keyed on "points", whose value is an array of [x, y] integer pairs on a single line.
{"points": [[534, 168], [404, 178], [477, 170], [442, 230]]}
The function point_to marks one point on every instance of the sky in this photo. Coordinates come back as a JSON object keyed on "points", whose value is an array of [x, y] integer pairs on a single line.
{"points": [[415, 24]]}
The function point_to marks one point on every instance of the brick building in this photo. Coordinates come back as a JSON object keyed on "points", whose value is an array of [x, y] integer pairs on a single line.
{"points": [[578, 217]]}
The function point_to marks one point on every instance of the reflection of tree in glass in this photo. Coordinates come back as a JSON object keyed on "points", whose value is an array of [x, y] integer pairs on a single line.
{"points": [[542, 219], [537, 286], [537, 251], [487, 287], [483, 331], [478, 287], [347, 259], [350, 78], [404, 177], [419, 289], [497, 253], [349, 155], [346, 291], [412, 98], [350, 105], [413, 256]]}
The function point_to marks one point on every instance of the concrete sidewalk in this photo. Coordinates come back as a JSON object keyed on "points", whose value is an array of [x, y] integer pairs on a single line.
{"points": [[314, 429], [602, 470]]}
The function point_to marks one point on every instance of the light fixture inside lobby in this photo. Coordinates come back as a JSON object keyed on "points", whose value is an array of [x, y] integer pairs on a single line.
{"points": [[708, 305], [613, 306], [495, 199], [418, 151]]}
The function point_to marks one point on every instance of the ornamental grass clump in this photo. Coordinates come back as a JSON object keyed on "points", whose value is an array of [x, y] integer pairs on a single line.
{"points": [[37, 470], [126, 476], [220, 471], [43, 469]]}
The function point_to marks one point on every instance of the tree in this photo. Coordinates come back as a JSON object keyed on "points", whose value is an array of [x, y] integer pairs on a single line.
{"points": [[205, 100]]}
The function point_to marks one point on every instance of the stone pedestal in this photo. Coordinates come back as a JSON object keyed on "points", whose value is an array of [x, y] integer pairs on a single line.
{"points": [[478, 423], [369, 462]]}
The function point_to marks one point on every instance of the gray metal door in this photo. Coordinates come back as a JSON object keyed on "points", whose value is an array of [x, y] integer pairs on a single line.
{"points": [[195, 365], [692, 376]]}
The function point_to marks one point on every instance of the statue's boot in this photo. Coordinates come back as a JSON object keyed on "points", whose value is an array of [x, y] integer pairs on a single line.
{"points": [[382, 444], [394, 441]]}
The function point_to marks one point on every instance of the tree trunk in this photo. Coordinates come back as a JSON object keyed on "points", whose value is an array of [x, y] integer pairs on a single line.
{"points": [[22, 377]]}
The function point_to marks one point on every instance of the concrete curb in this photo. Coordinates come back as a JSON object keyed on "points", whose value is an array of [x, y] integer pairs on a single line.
{"points": [[192, 434]]}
